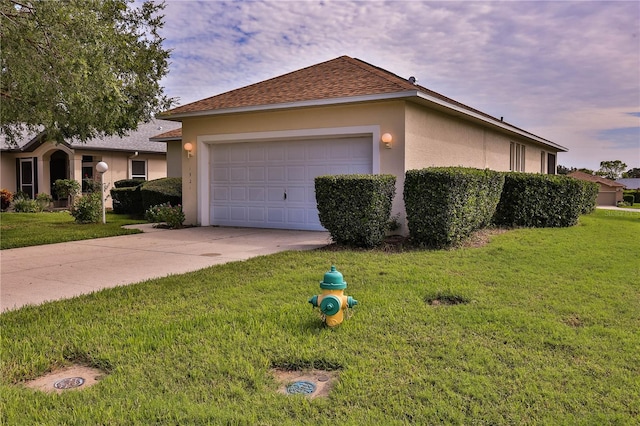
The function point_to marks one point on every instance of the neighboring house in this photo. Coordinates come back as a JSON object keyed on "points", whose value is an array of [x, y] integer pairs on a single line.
{"points": [[609, 192], [255, 151], [630, 183], [174, 150], [36, 163]]}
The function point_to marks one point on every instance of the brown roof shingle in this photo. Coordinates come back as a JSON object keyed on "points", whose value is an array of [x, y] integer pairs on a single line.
{"points": [[342, 77], [593, 178]]}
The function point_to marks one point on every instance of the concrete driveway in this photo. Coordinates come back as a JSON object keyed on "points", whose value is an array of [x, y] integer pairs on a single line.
{"points": [[33, 275]]}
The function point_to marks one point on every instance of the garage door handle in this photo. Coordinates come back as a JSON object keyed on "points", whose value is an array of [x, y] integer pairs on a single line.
{"points": [[285, 195]]}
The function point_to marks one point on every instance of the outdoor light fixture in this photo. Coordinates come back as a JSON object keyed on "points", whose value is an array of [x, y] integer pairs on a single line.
{"points": [[101, 168], [386, 140], [189, 148]]}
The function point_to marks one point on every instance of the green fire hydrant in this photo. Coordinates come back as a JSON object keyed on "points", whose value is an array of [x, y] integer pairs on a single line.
{"points": [[332, 301]]}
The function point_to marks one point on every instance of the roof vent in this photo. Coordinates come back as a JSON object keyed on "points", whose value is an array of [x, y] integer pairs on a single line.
{"points": [[412, 80]]}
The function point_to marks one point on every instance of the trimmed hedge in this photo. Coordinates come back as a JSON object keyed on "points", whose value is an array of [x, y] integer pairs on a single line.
{"points": [[541, 201], [127, 200], [161, 191], [355, 209], [589, 196], [444, 205], [128, 183], [633, 192], [628, 199]]}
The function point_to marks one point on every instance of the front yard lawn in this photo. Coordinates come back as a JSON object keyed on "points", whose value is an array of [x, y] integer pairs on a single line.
{"points": [[549, 334], [32, 229]]}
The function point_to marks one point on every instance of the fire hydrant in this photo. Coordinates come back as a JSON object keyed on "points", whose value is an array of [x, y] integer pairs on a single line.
{"points": [[332, 301]]}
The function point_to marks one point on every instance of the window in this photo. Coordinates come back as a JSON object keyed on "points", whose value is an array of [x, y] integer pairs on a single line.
{"points": [[551, 164], [516, 157], [139, 169], [27, 176], [87, 171]]}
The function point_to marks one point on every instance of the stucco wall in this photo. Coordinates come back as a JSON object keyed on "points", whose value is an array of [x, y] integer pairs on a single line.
{"points": [[435, 139], [389, 116], [174, 160]]}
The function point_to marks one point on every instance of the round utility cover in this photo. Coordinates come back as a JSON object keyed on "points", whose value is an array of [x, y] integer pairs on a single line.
{"points": [[69, 383], [301, 387]]}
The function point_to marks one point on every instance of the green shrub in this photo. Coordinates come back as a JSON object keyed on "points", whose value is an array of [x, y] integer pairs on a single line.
{"points": [[91, 185], [88, 208], [24, 204], [128, 183], [173, 216], [6, 197], [43, 200], [66, 188], [161, 191], [633, 192], [628, 199], [541, 201], [589, 196], [127, 200], [445, 205], [355, 209]]}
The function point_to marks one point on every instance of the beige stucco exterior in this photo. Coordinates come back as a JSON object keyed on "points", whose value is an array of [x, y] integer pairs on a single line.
{"points": [[119, 163], [422, 137]]}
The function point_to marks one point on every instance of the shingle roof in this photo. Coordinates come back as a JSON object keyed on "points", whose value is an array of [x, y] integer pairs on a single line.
{"points": [[137, 140], [342, 77], [339, 80], [171, 135], [630, 183], [593, 178]]}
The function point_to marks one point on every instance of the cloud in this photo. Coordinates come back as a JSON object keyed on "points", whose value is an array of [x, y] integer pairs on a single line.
{"points": [[531, 62]]}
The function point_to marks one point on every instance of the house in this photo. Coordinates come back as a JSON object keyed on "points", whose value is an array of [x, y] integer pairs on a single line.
{"points": [[36, 163], [609, 191], [251, 155]]}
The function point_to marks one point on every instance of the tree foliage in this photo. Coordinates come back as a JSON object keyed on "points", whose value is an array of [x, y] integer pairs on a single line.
{"points": [[80, 68], [611, 169], [632, 173]]}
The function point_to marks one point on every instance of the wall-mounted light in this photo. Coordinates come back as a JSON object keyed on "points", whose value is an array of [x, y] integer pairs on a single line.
{"points": [[189, 148], [386, 140]]}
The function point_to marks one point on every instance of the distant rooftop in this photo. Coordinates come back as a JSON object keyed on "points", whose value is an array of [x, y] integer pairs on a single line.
{"points": [[137, 140]]}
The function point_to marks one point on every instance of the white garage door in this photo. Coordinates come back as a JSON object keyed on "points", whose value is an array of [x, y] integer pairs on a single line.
{"points": [[271, 184]]}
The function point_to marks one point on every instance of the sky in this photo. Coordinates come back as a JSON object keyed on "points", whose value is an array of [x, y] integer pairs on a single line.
{"points": [[566, 71]]}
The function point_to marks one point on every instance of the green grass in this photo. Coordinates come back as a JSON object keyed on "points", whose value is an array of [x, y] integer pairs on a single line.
{"points": [[32, 229], [549, 336]]}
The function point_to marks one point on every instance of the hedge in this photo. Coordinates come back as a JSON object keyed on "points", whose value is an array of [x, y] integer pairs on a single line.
{"points": [[355, 209], [589, 196], [160, 191], [128, 183], [539, 201], [127, 200], [444, 205], [634, 192]]}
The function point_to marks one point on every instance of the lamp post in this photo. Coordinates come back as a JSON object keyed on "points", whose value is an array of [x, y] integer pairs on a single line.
{"points": [[102, 167]]}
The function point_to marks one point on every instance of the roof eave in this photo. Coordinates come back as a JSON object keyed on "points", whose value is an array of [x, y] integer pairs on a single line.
{"points": [[289, 105], [407, 95], [494, 122]]}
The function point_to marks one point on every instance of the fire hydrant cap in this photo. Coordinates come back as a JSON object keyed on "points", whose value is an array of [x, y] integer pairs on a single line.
{"points": [[333, 280]]}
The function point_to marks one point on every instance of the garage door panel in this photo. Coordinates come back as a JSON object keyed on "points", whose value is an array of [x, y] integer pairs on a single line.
{"points": [[220, 194], [248, 188], [238, 193], [238, 174], [296, 194], [257, 194], [276, 174]]}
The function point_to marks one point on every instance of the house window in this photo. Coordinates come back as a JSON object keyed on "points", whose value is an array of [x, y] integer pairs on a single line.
{"points": [[551, 164], [27, 176], [516, 157], [139, 169], [87, 171]]}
